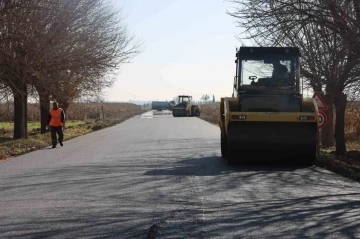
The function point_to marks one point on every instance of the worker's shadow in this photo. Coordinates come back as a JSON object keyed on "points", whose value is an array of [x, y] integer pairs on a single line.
{"points": [[49, 147]]}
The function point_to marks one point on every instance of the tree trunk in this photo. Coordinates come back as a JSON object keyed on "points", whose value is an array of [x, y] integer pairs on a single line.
{"points": [[340, 105], [327, 133], [20, 112], [44, 111]]}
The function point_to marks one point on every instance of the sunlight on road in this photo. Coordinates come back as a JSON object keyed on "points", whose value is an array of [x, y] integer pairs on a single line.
{"points": [[151, 114], [163, 112], [147, 115]]}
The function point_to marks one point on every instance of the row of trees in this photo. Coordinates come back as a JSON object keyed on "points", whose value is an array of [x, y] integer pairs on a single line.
{"points": [[58, 50], [207, 97], [328, 35]]}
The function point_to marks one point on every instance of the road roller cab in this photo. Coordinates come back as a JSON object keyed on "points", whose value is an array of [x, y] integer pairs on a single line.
{"points": [[267, 114]]}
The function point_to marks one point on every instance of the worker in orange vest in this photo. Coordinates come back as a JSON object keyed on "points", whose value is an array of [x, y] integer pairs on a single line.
{"points": [[56, 122]]}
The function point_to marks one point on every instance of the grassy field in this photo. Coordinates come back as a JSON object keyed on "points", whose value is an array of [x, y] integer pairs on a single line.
{"points": [[81, 119], [348, 166], [76, 111], [34, 125]]}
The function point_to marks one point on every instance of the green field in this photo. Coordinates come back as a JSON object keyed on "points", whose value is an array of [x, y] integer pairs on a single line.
{"points": [[7, 126]]}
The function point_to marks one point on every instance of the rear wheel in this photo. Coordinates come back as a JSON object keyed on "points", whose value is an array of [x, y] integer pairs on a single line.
{"points": [[193, 110], [197, 112], [231, 155], [224, 147], [306, 156], [310, 156]]}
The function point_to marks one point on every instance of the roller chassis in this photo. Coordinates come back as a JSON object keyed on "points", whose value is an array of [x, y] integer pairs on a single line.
{"points": [[242, 151], [192, 111]]}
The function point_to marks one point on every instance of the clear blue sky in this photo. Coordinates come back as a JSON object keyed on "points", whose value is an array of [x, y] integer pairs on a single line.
{"points": [[189, 48]]}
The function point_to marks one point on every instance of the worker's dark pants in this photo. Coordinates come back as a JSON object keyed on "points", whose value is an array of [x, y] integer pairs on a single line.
{"points": [[56, 130]]}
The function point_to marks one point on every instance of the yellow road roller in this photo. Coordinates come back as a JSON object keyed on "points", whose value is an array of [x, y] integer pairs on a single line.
{"points": [[185, 107], [267, 117]]}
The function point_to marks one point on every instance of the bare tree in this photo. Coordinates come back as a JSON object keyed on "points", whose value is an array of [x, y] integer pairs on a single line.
{"points": [[323, 30], [205, 97], [5, 95], [100, 44], [13, 59], [62, 48]]}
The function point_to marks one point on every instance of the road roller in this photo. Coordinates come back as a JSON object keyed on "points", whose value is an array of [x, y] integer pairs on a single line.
{"points": [[267, 116], [185, 107]]}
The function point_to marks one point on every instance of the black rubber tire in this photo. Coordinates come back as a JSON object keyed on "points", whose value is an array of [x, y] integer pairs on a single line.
{"points": [[224, 147], [230, 158], [192, 114], [307, 156], [310, 156], [176, 114], [231, 155]]}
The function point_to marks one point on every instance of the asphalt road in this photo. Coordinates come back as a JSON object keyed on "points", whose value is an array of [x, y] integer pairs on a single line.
{"points": [[155, 175]]}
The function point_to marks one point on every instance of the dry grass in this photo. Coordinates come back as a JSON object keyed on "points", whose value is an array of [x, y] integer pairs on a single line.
{"points": [[81, 119], [352, 121], [210, 112], [76, 111], [347, 166]]}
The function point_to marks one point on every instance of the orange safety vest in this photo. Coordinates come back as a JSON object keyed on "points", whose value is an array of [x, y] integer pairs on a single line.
{"points": [[56, 117]]}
